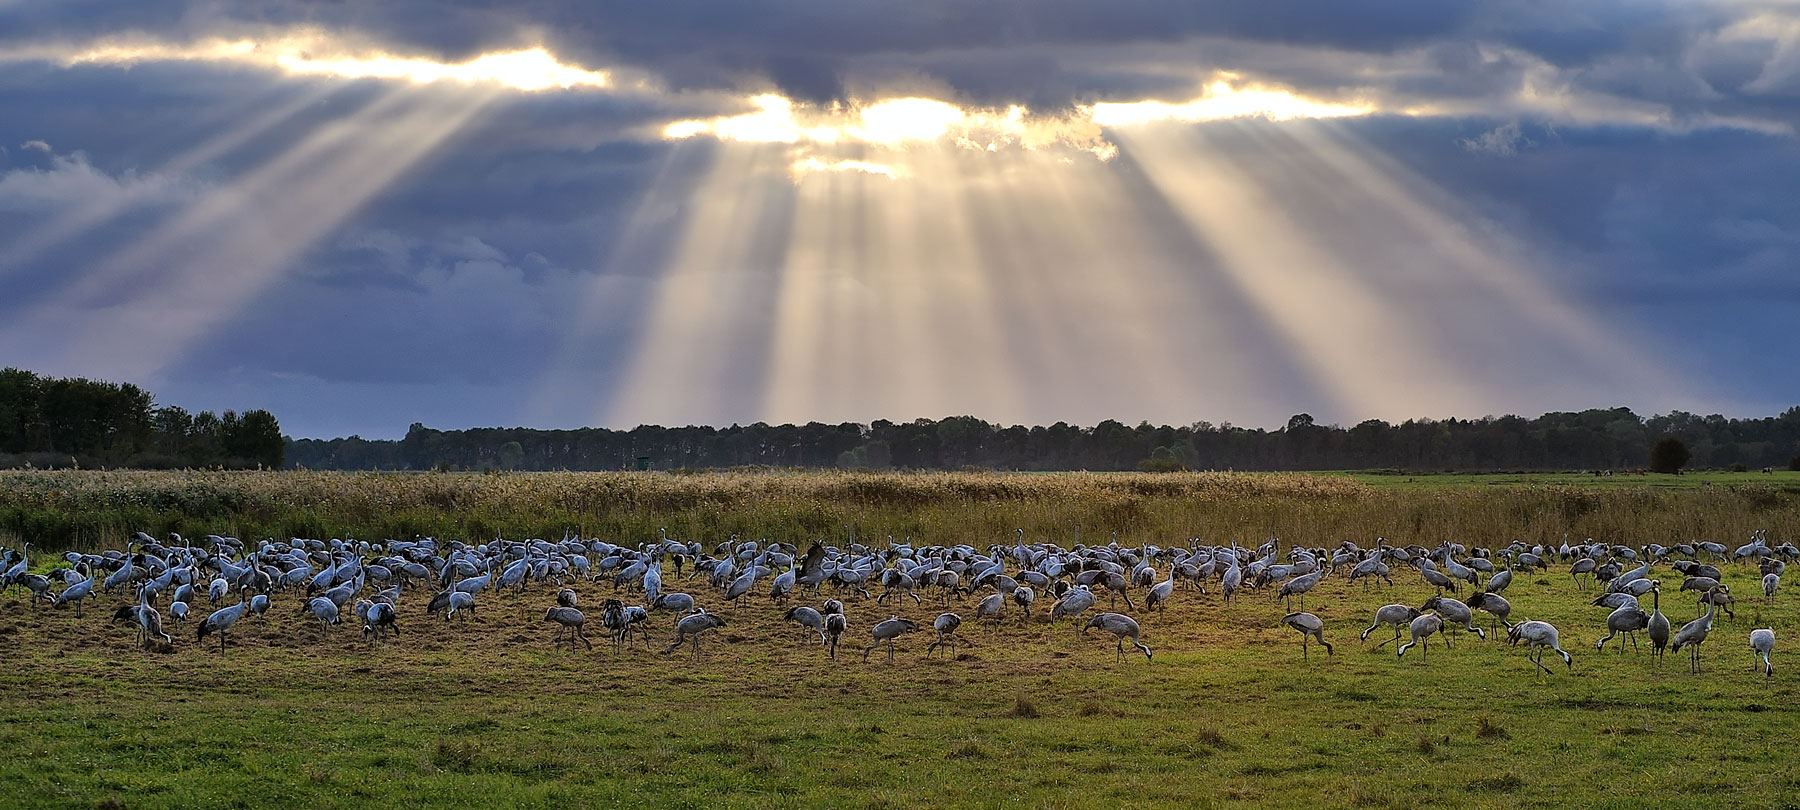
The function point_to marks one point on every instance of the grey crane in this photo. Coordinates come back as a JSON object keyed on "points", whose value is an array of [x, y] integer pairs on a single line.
{"points": [[1721, 598], [1310, 626], [568, 598], [571, 621], [678, 602], [325, 610], [1658, 626], [1538, 636], [834, 627], [946, 625], [1024, 596], [259, 604], [464, 603], [689, 629], [1298, 586], [1454, 613], [808, 618], [1395, 615], [1122, 627], [1494, 604], [1585, 565], [1499, 581], [1421, 630], [887, 631], [149, 620], [1762, 642], [1077, 601], [612, 617], [220, 621], [1692, 635], [1615, 601], [1158, 598], [78, 592], [990, 607], [1628, 620], [1770, 582], [379, 619]]}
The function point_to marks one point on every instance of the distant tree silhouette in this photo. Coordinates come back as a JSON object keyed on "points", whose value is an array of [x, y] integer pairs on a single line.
{"points": [[1669, 455]]}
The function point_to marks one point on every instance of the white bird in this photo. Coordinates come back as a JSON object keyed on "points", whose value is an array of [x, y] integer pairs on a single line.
{"points": [[1762, 642]]}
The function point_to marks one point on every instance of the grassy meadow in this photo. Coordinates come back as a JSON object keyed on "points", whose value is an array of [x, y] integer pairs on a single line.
{"points": [[487, 714]]}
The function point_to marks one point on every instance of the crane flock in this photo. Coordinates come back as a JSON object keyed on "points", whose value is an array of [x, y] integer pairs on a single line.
{"points": [[330, 580]]}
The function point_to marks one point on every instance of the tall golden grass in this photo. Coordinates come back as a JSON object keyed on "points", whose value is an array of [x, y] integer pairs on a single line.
{"points": [[95, 508]]}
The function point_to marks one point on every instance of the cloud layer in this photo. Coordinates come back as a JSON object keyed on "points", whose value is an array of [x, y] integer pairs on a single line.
{"points": [[491, 213]]}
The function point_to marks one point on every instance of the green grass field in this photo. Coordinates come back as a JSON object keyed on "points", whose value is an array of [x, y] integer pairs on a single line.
{"points": [[487, 714]]}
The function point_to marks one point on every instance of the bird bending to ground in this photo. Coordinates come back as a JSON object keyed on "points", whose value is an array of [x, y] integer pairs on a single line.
{"points": [[1421, 629], [1122, 627], [1762, 642], [1310, 626], [689, 629], [1538, 637], [945, 625], [887, 631], [1395, 615]]}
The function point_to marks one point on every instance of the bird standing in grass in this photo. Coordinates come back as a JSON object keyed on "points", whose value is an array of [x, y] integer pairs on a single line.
{"points": [[1762, 642], [945, 625], [221, 620], [886, 632], [1310, 627]]}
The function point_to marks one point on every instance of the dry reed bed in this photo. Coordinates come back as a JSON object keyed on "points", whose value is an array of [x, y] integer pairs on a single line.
{"points": [[60, 508]]}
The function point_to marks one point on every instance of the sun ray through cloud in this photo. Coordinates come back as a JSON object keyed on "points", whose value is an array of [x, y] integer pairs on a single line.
{"points": [[230, 245]]}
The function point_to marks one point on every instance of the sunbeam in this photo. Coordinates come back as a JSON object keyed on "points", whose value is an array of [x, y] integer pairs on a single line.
{"points": [[707, 316], [140, 309], [79, 220]]}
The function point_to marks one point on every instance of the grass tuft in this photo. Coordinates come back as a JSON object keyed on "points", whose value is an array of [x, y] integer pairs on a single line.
{"points": [[1024, 707]]}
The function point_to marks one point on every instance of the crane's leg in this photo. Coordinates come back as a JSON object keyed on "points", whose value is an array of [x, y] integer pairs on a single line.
{"points": [[1303, 653]]}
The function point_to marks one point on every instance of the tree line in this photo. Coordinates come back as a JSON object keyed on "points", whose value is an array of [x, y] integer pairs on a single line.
{"points": [[1599, 439], [60, 422]]}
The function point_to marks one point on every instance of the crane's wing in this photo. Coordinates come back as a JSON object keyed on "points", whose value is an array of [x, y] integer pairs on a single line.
{"points": [[814, 562]]}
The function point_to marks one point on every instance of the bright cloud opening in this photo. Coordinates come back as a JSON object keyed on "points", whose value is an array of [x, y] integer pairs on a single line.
{"points": [[318, 53]]}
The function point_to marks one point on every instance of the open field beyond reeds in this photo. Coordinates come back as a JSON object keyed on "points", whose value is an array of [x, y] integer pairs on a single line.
{"points": [[486, 714]]}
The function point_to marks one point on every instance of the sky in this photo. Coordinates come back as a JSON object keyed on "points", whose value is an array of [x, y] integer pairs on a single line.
{"points": [[490, 213]]}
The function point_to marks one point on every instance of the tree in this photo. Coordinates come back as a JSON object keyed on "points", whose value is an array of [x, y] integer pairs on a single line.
{"points": [[1669, 455]]}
